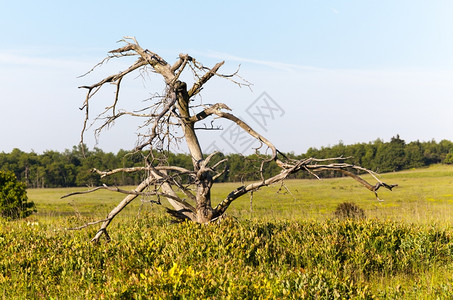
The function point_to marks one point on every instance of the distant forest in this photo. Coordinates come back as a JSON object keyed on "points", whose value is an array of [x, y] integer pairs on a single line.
{"points": [[74, 167]]}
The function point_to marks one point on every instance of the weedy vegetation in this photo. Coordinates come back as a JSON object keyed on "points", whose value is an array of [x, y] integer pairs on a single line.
{"points": [[349, 210], [293, 248]]}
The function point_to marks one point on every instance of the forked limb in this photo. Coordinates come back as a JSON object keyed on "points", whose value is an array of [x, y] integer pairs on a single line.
{"points": [[170, 120]]}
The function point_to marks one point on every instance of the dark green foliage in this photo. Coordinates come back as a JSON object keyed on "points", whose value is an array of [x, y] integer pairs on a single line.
{"points": [[14, 203], [387, 157], [391, 156], [74, 167], [349, 210], [449, 158]]}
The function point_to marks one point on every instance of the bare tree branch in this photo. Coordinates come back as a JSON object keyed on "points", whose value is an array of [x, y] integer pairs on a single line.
{"points": [[196, 88], [119, 190], [171, 119], [138, 169], [341, 167]]}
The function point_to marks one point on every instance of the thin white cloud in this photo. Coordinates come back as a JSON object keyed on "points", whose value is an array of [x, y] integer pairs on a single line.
{"points": [[8, 58], [273, 64]]}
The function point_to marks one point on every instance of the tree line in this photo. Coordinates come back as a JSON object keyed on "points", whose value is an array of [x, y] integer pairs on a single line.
{"points": [[74, 167]]}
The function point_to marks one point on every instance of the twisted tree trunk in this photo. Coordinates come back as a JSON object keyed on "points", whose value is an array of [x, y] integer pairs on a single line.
{"points": [[174, 110]]}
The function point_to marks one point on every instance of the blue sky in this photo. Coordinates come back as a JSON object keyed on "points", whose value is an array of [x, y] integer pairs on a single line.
{"points": [[340, 70]]}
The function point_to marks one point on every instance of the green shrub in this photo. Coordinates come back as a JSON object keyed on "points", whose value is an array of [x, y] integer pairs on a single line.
{"points": [[14, 202], [449, 158], [349, 210]]}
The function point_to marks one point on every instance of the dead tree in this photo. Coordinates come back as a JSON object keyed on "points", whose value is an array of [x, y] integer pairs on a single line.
{"points": [[174, 110]]}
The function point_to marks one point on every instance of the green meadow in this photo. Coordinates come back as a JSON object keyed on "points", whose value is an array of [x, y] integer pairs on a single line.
{"points": [[283, 242]]}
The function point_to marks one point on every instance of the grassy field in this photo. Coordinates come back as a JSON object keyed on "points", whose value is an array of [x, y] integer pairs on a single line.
{"points": [[283, 244], [423, 196]]}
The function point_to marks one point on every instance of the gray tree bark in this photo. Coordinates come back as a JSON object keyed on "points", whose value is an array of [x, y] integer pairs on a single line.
{"points": [[174, 109]]}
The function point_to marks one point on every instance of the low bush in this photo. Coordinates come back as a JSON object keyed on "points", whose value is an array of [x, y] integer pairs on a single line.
{"points": [[14, 202], [349, 210]]}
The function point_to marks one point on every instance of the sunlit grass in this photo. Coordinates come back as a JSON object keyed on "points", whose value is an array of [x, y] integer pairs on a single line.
{"points": [[422, 196], [281, 243]]}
